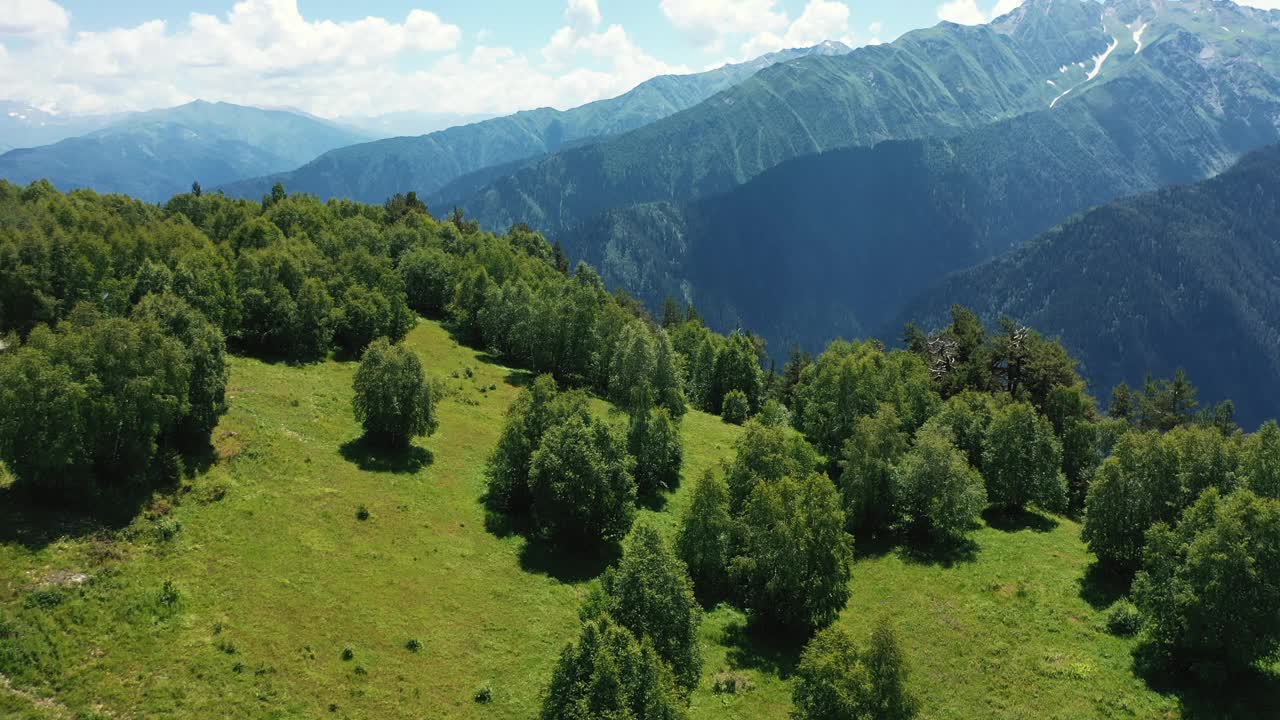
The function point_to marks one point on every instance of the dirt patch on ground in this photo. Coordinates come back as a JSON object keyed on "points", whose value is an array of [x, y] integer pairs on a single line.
{"points": [[228, 446], [61, 579]]}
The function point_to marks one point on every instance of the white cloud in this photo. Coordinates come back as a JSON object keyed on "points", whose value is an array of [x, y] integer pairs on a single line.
{"points": [[582, 14], [967, 12], [630, 65], [875, 29], [1004, 7], [820, 20], [964, 12], [1262, 4], [264, 52], [33, 18], [708, 22]]}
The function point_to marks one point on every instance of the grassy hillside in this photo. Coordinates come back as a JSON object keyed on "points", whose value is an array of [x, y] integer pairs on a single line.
{"points": [[276, 575]]}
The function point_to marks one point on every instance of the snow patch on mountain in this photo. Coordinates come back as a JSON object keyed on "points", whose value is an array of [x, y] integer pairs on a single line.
{"points": [[1102, 59], [1137, 36]]}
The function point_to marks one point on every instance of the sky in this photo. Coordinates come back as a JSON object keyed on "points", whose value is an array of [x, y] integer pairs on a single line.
{"points": [[340, 58]]}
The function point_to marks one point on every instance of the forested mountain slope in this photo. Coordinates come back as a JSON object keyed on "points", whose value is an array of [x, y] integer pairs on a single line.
{"points": [[153, 155], [847, 237], [372, 172], [1184, 277], [934, 82]]}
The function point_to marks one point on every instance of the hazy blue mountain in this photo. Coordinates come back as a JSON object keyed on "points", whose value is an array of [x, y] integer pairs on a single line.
{"points": [[23, 126], [843, 239], [152, 155], [374, 171], [1184, 277], [409, 122]]}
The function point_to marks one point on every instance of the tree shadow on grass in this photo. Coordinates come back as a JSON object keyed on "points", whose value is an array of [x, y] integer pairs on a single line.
{"points": [[36, 521], [1017, 519], [519, 378], [374, 457], [566, 562], [1253, 694], [569, 564], [944, 552], [773, 651], [1101, 587], [870, 547], [655, 501]]}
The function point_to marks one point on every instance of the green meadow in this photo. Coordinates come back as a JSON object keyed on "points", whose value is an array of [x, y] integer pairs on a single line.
{"points": [[240, 593]]}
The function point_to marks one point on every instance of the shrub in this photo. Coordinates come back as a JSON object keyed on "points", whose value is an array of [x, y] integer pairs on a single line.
{"points": [[537, 409], [835, 679], [650, 594], [167, 528], [580, 482], [1209, 588], [362, 513], [653, 439], [44, 599], [796, 558], [934, 487], [774, 414], [704, 541], [1123, 619], [1022, 460], [608, 674], [348, 654], [767, 453], [169, 595], [736, 407], [483, 694], [414, 645], [206, 353], [392, 396], [1134, 488], [866, 482]]}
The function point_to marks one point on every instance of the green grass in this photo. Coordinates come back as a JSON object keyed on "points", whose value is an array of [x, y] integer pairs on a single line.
{"points": [[277, 576]]}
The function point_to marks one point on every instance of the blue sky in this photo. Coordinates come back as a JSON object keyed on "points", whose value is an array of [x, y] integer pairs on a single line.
{"points": [[342, 58]]}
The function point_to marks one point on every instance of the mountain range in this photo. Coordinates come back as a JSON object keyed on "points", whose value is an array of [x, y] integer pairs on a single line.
{"points": [[847, 237], [935, 82], [1187, 276], [23, 125], [371, 172], [153, 155]]}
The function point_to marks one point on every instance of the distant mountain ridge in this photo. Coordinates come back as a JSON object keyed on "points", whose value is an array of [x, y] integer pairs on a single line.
{"points": [[156, 154], [845, 238], [935, 82], [374, 171], [24, 126], [1184, 277]]}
